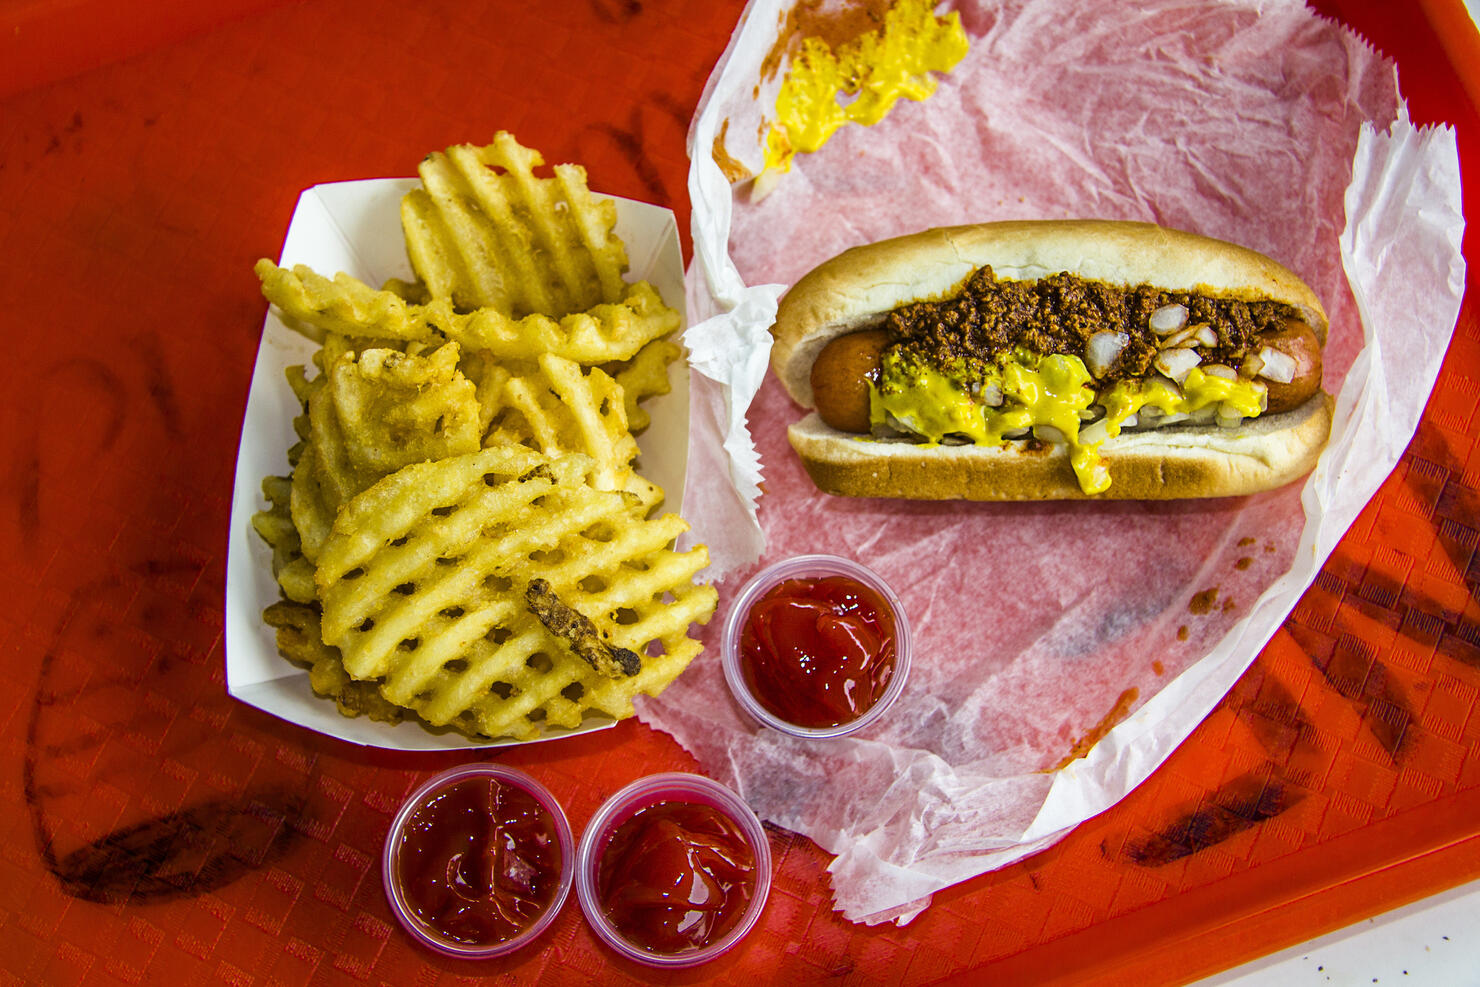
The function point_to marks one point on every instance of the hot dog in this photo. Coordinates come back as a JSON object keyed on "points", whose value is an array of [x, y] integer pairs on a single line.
{"points": [[1053, 360]]}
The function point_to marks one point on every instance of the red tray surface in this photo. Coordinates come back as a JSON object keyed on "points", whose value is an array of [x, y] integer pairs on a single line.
{"points": [[156, 831]]}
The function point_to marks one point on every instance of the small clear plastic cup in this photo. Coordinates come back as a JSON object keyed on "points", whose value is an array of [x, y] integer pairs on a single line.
{"points": [[390, 869], [811, 567], [652, 790]]}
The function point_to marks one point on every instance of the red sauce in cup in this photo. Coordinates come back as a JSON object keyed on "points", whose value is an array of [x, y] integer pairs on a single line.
{"points": [[676, 876], [818, 652], [479, 861]]}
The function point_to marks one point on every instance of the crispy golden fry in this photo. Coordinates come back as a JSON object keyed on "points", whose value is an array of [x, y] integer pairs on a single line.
{"points": [[294, 573], [490, 376], [557, 408], [644, 376], [424, 584], [299, 641], [614, 330], [371, 413], [393, 409], [484, 232]]}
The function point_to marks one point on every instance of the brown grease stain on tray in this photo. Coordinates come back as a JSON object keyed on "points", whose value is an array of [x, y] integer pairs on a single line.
{"points": [[1239, 805], [1117, 713]]}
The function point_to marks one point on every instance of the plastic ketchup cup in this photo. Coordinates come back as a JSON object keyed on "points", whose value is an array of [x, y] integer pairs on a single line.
{"points": [[816, 646], [673, 870], [478, 861]]}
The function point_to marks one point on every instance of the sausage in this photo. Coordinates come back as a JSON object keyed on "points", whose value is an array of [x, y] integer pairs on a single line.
{"points": [[841, 376], [1297, 341]]}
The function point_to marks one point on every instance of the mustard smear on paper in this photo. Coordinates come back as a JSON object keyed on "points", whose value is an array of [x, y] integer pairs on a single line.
{"points": [[861, 80]]}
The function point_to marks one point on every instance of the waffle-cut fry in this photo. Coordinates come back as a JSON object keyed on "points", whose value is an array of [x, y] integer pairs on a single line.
{"points": [[644, 376], [490, 376], [293, 572], [393, 408], [370, 413], [299, 641], [424, 580], [484, 232], [557, 408], [614, 330]]}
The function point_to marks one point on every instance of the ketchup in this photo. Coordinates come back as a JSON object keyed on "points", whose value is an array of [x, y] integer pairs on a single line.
{"points": [[676, 876], [479, 861], [818, 652]]}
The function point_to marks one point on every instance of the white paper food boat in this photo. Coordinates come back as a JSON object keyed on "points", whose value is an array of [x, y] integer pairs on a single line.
{"points": [[355, 227]]}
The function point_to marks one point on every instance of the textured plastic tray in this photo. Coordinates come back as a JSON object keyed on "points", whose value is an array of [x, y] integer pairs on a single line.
{"points": [[161, 832]]}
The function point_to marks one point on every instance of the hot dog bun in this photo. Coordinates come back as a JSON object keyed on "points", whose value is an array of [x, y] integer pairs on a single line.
{"points": [[856, 289], [1165, 464]]}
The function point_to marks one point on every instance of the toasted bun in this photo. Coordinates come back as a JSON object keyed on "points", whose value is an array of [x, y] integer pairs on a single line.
{"points": [[1156, 464], [857, 288]]}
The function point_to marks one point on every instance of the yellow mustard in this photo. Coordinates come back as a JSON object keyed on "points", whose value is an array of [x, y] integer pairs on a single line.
{"points": [[860, 81], [1035, 390]]}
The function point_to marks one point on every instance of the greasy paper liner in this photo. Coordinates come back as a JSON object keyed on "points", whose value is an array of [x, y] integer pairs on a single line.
{"points": [[355, 227], [1045, 628]]}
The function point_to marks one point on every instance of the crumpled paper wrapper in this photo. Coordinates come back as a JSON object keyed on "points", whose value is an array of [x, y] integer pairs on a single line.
{"points": [[1043, 627]]}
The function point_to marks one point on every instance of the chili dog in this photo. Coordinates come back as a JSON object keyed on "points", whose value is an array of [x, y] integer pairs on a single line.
{"points": [[1053, 360]]}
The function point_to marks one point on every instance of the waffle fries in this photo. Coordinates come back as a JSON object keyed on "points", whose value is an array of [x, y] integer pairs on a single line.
{"points": [[368, 414], [507, 240], [468, 437], [433, 581], [645, 375], [614, 330], [299, 640], [559, 408]]}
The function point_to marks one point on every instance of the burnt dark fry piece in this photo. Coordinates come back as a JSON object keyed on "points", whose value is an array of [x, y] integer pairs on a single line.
{"points": [[577, 630]]}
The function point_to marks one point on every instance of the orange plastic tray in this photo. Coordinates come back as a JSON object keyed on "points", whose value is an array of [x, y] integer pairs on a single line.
{"points": [[155, 831]]}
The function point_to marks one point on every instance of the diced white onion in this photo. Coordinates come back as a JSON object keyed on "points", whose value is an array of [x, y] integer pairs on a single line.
{"points": [[1206, 336], [1130, 421], [1204, 415], [1168, 319], [901, 426], [1177, 363], [1221, 370], [1103, 349], [992, 394], [1173, 418], [1278, 367], [1179, 338], [1229, 416], [1251, 365], [1015, 433], [1095, 433], [1047, 433]]}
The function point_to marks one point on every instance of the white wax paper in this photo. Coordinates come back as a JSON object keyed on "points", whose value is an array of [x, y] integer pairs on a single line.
{"points": [[1254, 122]]}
